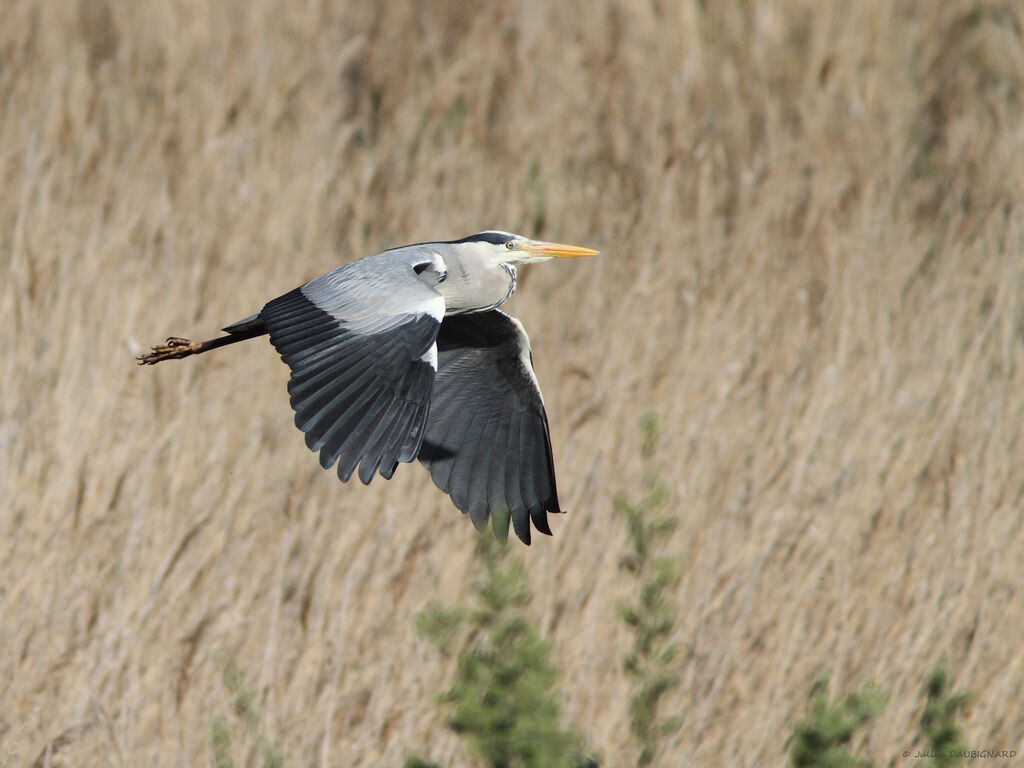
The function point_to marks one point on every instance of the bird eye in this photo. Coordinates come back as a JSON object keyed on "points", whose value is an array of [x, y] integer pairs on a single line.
{"points": [[510, 245]]}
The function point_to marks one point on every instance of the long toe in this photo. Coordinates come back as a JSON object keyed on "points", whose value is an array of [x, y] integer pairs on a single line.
{"points": [[175, 348]]}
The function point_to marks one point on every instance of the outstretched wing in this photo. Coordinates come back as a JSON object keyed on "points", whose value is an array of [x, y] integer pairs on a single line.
{"points": [[486, 441], [360, 345]]}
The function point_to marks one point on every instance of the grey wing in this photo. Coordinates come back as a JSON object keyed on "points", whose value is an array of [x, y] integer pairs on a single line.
{"points": [[486, 441], [360, 345]]}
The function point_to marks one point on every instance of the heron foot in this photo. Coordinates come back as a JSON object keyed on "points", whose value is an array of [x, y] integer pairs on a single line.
{"points": [[174, 348]]}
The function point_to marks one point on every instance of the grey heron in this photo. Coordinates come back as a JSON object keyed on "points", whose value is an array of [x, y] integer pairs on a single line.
{"points": [[405, 355]]}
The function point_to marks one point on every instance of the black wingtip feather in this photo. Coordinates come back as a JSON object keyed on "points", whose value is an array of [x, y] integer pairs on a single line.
{"points": [[540, 521], [521, 525]]}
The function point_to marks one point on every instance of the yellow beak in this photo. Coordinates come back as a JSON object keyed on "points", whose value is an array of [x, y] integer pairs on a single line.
{"points": [[549, 250]]}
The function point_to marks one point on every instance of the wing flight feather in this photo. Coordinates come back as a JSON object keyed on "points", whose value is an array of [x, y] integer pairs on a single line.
{"points": [[486, 441], [360, 345]]}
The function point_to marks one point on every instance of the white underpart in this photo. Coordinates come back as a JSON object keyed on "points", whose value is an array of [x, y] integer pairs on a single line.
{"points": [[430, 356], [433, 307]]}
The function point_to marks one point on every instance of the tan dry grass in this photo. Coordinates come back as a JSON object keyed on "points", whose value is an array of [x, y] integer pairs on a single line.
{"points": [[811, 221]]}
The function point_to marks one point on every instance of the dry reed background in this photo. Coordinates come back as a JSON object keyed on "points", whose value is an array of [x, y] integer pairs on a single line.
{"points": [[811, 219]]}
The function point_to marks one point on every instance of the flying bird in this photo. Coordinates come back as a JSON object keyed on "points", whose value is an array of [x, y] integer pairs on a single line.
{"points": [[405, 355]]}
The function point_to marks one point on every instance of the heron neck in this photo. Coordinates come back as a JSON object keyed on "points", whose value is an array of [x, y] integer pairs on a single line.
{"points": [[477, 288]]}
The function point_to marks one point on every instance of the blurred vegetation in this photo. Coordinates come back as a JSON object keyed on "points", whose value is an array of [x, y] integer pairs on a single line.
{"points": [[940, 731], [652, 614], [244, 732], [811, 223], [415, 761], [503, 700], [822, 739]]}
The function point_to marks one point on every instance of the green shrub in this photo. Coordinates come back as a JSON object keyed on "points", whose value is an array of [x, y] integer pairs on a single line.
{"points": [[822, 738], [503, 700], [941, 732], [651, 615]]}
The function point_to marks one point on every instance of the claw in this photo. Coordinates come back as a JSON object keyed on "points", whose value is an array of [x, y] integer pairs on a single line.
{"points": [[175, 348]]}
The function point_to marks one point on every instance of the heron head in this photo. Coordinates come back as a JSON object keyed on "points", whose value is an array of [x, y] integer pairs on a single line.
{"points": [[509, 248]]}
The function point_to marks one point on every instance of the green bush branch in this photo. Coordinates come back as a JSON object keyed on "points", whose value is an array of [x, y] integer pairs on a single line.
{"points": [[651, 615], [939, 727], [822, 738], [502, 700]]}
